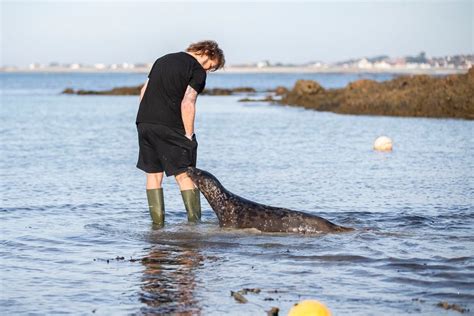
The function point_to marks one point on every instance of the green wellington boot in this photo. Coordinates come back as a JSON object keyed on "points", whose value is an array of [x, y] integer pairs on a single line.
{"points": [[156, 205], [192, 203]]}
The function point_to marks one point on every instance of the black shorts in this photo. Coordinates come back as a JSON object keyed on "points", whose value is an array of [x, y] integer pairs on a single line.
{"points": [[163, 148]]}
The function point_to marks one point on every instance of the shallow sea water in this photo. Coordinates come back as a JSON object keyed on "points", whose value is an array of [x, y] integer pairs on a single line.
{"points": [[73, 201]]}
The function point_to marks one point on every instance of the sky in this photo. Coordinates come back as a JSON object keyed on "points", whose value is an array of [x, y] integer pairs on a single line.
{"points": [[288, 32]]}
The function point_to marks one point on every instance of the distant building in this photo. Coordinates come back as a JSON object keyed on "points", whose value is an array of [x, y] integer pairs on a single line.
{"points": [[411, 65], [364, 63], [382, 62], [424, 66], [36, 66], [262, 64], [318, 64], [126, 66], [382, 65]]}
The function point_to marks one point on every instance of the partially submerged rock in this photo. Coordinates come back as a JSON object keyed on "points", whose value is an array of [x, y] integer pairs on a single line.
{"points": [[230, 91], [135, 90], [280, 90], [273, 311], [454, 307], [268, 98], [238, 297], [409, 95], [416, 95], [307, 87], [115, 91]]}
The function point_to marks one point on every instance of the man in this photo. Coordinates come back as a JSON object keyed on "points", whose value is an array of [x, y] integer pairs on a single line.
{"points": [[165, 123]]}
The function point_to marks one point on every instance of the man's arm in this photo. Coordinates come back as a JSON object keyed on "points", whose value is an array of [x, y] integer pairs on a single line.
{"points": [[188, 110], [142, 91]]}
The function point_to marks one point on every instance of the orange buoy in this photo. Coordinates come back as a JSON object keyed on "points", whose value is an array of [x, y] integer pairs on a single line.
{"points": [[309, 308]]}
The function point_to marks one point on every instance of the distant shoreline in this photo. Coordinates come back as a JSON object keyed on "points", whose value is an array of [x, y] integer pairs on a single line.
{"points": [[250, 70]]}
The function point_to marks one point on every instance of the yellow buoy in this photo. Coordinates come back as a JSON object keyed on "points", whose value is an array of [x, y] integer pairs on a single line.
{"points": [[383, 143], [309, 308]]}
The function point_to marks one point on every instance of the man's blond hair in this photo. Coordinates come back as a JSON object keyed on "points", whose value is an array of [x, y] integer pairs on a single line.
{"points": [[209, 48]]}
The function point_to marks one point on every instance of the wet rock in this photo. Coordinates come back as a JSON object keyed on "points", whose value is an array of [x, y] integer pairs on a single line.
{"points": [[415, 95], [307, 87], [68, 91], [454, 307], [268, 98], [135, 90], [248, 290], [273, 311], [280, 90], [244, 90], [238, 297], [115, 91], [363, 85], [217, 91], [223, 91]]}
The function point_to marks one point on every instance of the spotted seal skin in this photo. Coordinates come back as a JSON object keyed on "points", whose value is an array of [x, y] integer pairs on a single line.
{"points": [[234, 211]]}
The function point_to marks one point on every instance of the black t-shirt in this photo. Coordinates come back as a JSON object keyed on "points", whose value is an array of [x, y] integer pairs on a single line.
{"points": [[168, 80]]}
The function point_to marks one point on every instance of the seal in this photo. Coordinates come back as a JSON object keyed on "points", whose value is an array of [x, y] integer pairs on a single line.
{"points": [[234, 211]]}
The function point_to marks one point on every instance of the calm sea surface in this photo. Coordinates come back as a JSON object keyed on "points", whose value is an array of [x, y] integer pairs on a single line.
{"points": [[73, 203]]}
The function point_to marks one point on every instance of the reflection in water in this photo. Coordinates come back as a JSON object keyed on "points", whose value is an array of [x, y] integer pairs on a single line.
{"points": [[169, 280]]}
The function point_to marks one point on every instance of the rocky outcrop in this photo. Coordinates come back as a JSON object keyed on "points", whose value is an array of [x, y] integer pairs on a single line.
{"points": [[416, 95], [231, 91], [268, 98], [115, 91], [136, 91], [280, 90]]}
